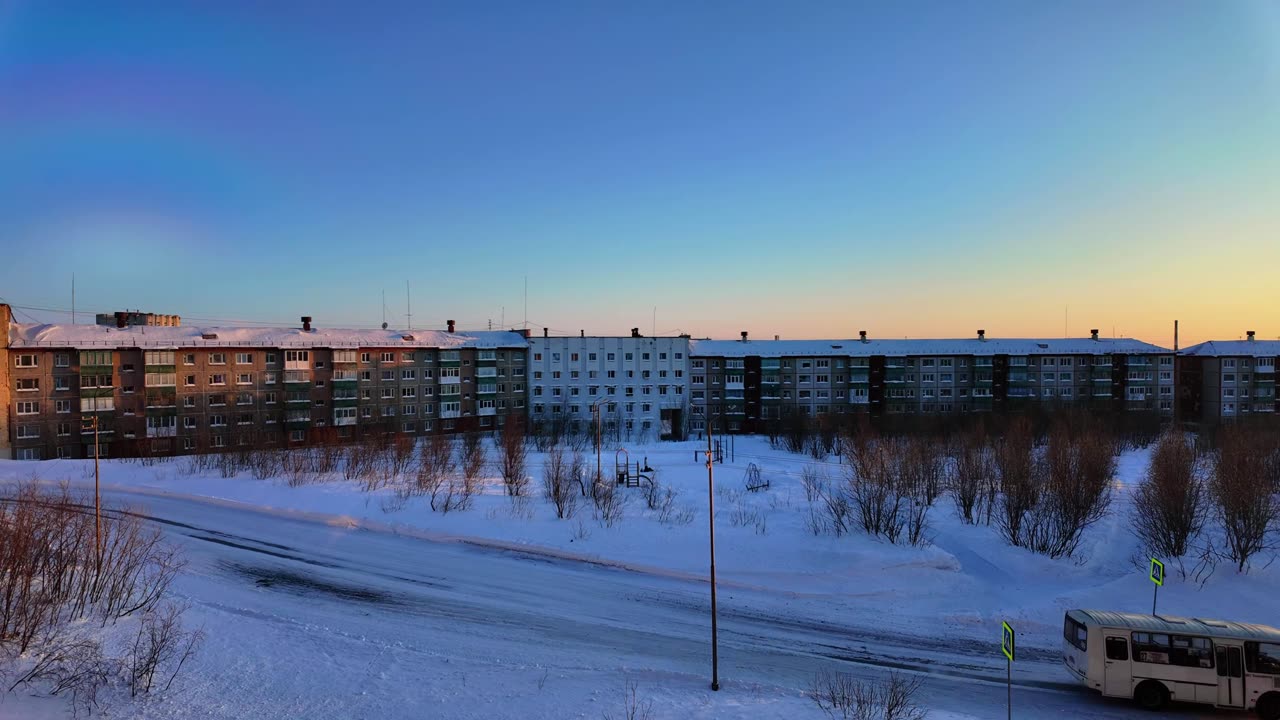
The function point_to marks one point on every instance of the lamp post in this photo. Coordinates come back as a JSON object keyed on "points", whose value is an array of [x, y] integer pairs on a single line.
{"points": [[595, 410], [711, 536]]}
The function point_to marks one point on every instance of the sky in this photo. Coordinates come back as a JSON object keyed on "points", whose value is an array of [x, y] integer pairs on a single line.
{"points": [[913, 169]]}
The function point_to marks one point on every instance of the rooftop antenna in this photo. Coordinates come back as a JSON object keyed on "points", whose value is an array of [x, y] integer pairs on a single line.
{"points": [[73, 298], [1065, 332], [655, 322], [384, 309], [408, 306], [526, 302]]}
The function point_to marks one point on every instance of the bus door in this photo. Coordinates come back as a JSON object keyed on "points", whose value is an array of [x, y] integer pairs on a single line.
{"points": [[1118, 676], [1230, 662]]}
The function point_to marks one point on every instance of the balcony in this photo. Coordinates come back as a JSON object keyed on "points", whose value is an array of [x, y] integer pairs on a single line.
{"points": [[859, 399], [734, 386], [486, 411], [340, 421], [860, 379], [449, 380], [450, 414], [487, 372], [162, 432], [486, 389]]}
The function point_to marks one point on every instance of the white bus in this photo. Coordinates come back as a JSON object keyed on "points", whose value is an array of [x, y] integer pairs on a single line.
{"points": [[1154, 659]]}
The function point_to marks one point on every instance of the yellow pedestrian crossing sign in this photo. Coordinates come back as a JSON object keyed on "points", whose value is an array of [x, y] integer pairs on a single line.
{"points": [[1157, 572], [1007, 640]]}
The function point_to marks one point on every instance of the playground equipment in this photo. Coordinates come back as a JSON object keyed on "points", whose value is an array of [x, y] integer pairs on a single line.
{"points": [[622, 470], [753, 480]]}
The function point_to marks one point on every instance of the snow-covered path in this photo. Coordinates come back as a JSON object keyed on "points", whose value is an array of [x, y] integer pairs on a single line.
{"points": [[308, 618]]}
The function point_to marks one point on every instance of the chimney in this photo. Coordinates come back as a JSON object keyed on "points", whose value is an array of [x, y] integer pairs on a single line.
{"points": [[545, 332], [582, 333], [744, 336], [635, 332], [777, 337], [306, 323], [450, 323], [982, 335], [1249, 335], [120, 319], [1094, 333], [862, 335]]}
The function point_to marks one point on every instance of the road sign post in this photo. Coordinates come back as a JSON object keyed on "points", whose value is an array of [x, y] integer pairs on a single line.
{"points": [[1157, 579], [1007, 647]]}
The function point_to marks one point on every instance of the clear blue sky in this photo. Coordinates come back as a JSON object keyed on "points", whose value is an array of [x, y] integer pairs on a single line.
{"points": [[808, 169]]}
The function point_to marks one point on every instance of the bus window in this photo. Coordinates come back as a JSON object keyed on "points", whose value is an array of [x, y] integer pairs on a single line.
{"points": [[1263, 658], [1180, 650], [1117, 648]]}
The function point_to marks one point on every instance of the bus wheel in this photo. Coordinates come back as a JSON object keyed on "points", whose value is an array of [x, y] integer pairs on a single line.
{"points": [[1269, 706], [1151, 695]]}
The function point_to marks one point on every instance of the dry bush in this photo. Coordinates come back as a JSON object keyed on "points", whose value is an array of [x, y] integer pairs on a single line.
{"points": [[1015, 465], [815, 482], [653, 493], [1049, 504], [1170, 508], [159, 645], [671, 514], [923, 468], [557, 486], [844, 697], [607, 503], [473, 462], [401, 457], [54, 577], [435, 469], [972, 475], [1243, 489], [633, 708], [513, 453]]}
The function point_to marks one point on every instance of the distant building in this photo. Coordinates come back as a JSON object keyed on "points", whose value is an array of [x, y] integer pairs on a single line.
{"points": [[1226, 380], [639, 384], [743, 385], [131, 317], [175, 390]]}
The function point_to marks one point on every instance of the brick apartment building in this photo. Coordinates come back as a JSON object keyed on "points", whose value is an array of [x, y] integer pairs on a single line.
{"points": [[175, 389]]}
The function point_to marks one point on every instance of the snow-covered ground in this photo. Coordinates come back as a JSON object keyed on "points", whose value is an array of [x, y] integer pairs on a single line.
{"points": [[321, 601]]}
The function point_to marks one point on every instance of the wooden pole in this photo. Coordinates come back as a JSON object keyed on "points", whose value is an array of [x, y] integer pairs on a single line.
{"points": [[711, 534]]}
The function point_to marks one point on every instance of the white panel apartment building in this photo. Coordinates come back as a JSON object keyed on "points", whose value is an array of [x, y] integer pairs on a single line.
{"points": [[640, 383]]}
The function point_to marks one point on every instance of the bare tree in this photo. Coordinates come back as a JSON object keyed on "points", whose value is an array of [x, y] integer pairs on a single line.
{"points": [[473, 462], [435, 470], [1170, 508], [513, 453], [633, 707], [1244, 493]]}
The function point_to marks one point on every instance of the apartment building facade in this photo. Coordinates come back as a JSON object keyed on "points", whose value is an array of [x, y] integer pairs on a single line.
{"points": [[639, 384], [165, 390], [1228, 380], [744, 385]]}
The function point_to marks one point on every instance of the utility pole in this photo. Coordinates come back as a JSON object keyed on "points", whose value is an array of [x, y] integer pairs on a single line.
{"points": [[711, 535], [92, 423]]}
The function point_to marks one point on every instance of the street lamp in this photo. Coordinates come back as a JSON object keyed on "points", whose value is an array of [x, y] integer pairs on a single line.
{"points": [[595, 410], [711, 536]]}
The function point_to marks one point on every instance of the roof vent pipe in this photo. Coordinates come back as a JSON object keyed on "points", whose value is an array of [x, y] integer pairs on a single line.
{"points": [[1094, 333], [744, 336], [306, 323], [545, 332], [982, 335], [635, 332], [450, 323], [862, 335], [1249, 334]]}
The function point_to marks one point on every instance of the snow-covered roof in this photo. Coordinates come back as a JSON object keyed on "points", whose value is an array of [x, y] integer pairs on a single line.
{"points": [[88, 337], [1172, 624], [1234, 348], [902, 348]]}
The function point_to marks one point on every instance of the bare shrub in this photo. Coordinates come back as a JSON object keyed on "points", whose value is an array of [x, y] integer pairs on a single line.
{"points": [[159, 645], [607, 503], [922, 468], [1243, 488], [653, 494], [556, 484], [473, 462], [844, 697], [401, 457], [513, 455], [73, 665], [633, 707], [1170, 508], [435, 470], [814, 481], [740, 515], [1019, 485], [971, 474], [671, 514], [873, 483]]}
